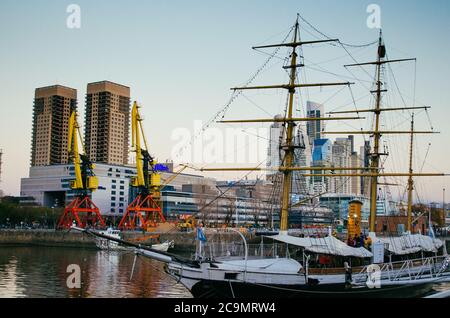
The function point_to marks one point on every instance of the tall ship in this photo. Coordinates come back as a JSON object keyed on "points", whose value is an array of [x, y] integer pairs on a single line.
{"points": [[283, 265]]}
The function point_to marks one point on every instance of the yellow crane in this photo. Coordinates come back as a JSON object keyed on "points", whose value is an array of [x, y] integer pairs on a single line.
{"points": [[81, 211], [145, 210]]}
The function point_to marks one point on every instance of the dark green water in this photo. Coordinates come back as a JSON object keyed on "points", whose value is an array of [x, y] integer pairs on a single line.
{"points": [[41, 272]]}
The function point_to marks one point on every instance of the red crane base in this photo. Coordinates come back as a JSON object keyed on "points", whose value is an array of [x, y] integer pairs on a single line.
{"points": [[143, 212], [83, 212]]}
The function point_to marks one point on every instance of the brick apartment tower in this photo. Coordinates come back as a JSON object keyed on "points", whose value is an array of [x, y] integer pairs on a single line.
{"points": [[107, 122], [52, 109]]}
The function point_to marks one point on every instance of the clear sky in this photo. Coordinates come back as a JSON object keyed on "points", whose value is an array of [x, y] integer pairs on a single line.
{"points": [[181, 57]]}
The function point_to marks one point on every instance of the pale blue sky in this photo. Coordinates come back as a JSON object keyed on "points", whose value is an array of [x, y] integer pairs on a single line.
{"points": [[181, 57]]}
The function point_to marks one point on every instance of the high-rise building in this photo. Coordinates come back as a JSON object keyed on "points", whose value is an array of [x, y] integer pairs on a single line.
{"points": [[322, 151], [322, 155], [302, 158], [345, 156], [107, 122], [274, 152], [52, 108], [341, 158], [355, 181], [314, 128], [365, 160]]}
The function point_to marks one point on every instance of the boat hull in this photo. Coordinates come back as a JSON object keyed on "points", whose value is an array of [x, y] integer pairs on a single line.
{"points": [[224, 289]]}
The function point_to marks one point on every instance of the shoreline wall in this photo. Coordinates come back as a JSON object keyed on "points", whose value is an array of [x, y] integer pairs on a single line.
{"points": [[52, 238]]}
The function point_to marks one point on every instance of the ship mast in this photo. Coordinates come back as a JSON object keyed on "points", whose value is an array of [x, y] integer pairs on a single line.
{"points": [[288, 147], [410, 179], [376, 133], [288, 165], [375, 163]]}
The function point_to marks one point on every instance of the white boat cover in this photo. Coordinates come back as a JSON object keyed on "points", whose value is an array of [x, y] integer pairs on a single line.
{"points": [[409, 243], [328, 245], [273, 265]]}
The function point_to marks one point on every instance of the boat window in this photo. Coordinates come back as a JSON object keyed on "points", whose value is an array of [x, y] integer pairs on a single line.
{"points": [[230, 276]]}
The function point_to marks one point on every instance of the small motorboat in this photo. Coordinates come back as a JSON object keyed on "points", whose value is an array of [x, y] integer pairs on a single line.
{"points": [[164, 247], [105, 244]]}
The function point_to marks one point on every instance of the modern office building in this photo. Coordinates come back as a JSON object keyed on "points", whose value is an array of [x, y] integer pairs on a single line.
{"points": [[52, 108], [387, 207], [322, 151], [343, 155], [355, 182], [341, 158], [49, 186], [107, 122], [274, 154], [364, 158], [321, 157], [246, 203], [302, 158], [339, 204], [314, 128]]}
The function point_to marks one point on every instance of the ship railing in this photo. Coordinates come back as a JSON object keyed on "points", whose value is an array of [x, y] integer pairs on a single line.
{"points": [[430, 267], [216, 250]]}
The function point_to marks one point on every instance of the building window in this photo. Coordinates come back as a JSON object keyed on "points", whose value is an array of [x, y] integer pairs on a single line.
{"points": [[113, 181], [122, 187], [122, 181], [113, 198], [121, 199], [113, 204], [113, 186], [113, 210], [121, 193], [113, 192]]}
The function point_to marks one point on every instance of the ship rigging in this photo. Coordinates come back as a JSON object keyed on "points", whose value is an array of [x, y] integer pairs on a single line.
{"points": [[285, 276]]}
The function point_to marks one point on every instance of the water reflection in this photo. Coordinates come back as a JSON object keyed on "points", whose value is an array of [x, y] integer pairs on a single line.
{"points": [[9, 276], [41, 272]]}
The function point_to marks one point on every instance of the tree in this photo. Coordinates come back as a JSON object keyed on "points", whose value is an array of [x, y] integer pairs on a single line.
{"points": [[12, 214]]}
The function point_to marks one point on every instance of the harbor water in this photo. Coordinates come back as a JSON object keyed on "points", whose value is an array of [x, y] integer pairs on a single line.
{"points": [[43, 272]]}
